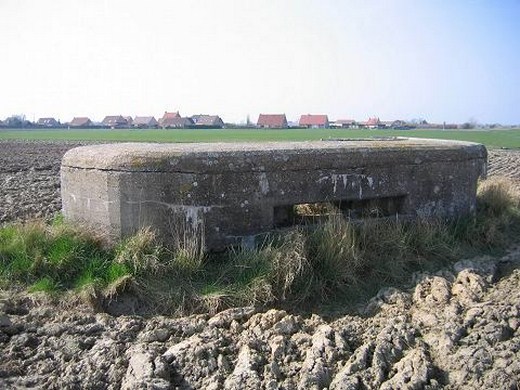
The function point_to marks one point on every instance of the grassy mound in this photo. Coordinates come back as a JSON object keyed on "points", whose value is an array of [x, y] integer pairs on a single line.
{"points": [[338, 262]]}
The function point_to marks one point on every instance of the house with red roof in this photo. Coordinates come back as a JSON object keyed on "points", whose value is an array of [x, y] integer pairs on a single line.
{"points": [[373, 123], [314, 121], [272, 121], [167, 117], [80, 121]]}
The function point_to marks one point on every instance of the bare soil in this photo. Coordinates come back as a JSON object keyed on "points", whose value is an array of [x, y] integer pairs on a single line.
{"points": [[457, 328], [30, 179], [503, 162]]}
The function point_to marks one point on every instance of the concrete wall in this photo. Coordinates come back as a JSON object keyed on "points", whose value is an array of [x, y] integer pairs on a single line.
{"points": [[228, 193]]}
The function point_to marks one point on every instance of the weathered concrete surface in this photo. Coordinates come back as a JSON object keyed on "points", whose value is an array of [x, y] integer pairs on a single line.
{"points": [[231, 192]]}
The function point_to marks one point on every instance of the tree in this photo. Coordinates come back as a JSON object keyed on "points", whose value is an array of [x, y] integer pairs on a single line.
{"points": [[17, 122], [470, 124]]}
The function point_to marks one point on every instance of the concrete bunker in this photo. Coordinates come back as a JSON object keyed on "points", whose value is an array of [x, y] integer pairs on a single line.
{"points": [[229, 193]]}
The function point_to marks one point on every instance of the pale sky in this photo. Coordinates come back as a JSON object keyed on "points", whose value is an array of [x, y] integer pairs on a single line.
{"points": [[438, 60]]}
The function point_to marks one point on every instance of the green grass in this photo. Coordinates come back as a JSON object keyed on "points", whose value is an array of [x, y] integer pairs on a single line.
{"points": [[51, 257], [337, 263], [45, 284], [492, 138]]}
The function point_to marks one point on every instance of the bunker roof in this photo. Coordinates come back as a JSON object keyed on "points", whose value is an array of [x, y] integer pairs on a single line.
{"points": [[269, 156]]}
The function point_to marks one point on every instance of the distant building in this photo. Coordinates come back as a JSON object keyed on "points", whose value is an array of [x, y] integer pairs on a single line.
{"points": [[1, 123], [401, 125], [114, 122], [80, 121], [425, 125], [272, 121], [176, 122], [373, 123], [129, 120], [47, 122], [344, 123], [144, 122], [208, 121], [398, 123], [314, 121], [163, 122], [385, 124]]}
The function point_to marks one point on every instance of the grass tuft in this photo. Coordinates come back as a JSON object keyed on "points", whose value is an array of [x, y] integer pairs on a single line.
{"points": [[139, 253], [497, 221], [498, 197]]}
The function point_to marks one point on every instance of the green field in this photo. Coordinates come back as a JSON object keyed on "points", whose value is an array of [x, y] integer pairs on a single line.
{"points": [[509, 138]]}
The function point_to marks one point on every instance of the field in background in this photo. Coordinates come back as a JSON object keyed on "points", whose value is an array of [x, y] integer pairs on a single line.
{"points": [[491, 138]]}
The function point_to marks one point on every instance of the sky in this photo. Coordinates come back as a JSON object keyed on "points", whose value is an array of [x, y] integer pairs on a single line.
{"points": [[439, 60]]}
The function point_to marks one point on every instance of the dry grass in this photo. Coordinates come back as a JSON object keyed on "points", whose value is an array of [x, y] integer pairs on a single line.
{"points": [[141, 252], [498, 196]]}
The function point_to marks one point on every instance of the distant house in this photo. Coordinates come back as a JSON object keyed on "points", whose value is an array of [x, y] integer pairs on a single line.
{"points": [[47, 122], [373, 123], [144, 122], [195, 118], [425, 125], [114, 122], [168, 116], [344, 123], [129, 120], [208, 121], [272, 121], [80, 121], [401, 125], [314, 121], [398, 123], [1, 124], [176, 123]]}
